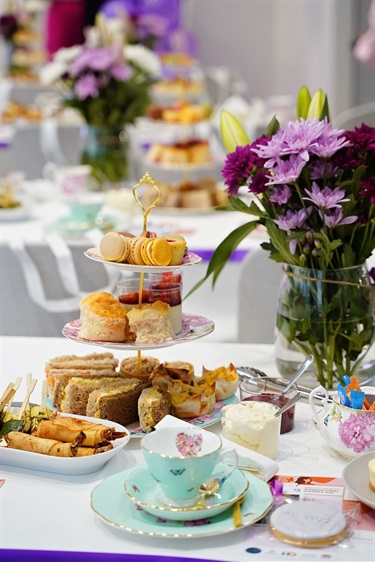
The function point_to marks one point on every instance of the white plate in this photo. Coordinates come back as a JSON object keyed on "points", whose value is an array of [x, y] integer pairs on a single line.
{"points": [[211, 165], [16, 214], [140, 487], [193, 327], [356, 478], [110, 502], [61, 465], [190, 259]]}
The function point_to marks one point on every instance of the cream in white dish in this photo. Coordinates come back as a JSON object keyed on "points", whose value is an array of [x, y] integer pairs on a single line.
{"points": [[253, 425]]}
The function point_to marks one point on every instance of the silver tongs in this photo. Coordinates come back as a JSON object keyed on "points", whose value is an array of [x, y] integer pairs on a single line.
{"points": [[262, 381]]}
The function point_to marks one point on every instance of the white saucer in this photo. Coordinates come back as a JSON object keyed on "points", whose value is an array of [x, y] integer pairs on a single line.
{"points": [[141, 488], [110, 502]]}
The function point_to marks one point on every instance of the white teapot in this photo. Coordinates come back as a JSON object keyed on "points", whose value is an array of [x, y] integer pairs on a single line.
{"points": [[348, 431]]}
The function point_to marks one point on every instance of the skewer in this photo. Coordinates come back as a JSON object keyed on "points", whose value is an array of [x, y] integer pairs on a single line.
{"points": [[44, 394], [5, 397], [15, 388], [30, 385]]}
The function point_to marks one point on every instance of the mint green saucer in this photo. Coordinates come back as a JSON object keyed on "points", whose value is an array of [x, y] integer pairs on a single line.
{"points": [[110, 502], [141, 488]]}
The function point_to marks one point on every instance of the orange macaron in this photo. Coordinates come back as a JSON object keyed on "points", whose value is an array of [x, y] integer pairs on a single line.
{"points": [[115, 247]]}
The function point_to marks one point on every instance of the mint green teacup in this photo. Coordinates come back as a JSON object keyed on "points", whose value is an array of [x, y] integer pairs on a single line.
{"points": [[85, 209], [182, 459]]}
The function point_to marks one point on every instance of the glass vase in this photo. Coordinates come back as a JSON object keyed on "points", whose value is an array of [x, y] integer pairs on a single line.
{"points": [[329, 314], [106, 151]]}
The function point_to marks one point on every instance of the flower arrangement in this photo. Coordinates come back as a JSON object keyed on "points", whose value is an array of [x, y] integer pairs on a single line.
{"points": [[313, 189], [108, 84]]}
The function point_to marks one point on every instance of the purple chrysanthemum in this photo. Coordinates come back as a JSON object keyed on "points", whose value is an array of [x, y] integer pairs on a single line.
{"points": [[258, 183], [87, 87], [292, 220], [368, 189], [323, 169], [237, 168], [335, 217], [120, 71], [302, 138], [287, 171], [281, 194], [326, 198], [362, 138], [93, 58]]}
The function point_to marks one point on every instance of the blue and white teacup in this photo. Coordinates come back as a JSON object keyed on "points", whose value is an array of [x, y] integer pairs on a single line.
{"points": [[182, 459]]}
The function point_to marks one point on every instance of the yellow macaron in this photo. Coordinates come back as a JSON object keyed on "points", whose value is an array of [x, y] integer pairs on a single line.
{"points": [[159, 252]]}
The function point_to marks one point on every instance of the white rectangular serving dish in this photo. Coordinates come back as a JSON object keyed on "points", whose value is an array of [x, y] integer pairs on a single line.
{"points": [[61, 465]]}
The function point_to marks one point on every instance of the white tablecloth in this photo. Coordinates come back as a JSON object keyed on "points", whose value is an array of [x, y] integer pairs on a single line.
{"points": [[52, 512]]}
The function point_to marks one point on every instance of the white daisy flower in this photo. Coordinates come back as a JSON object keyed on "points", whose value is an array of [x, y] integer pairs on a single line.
{"points": [[144, 58], [52, 72], [66, 55]]}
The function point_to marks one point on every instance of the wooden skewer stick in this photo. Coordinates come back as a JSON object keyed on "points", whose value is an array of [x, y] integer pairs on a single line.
{"points": [[5, 397], [30, 384], [44, 394], [15, 388]]}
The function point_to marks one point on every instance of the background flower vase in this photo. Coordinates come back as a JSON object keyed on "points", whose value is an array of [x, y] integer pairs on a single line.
{"points": [[105, 149], [327, 313]]}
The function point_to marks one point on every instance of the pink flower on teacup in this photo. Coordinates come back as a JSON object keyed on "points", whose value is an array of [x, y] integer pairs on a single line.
{"points": [[189, 445], [358, 432]]}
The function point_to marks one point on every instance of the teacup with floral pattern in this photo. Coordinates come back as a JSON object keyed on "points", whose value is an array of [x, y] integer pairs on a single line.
{"points": [[348, 431], [182, 459]]}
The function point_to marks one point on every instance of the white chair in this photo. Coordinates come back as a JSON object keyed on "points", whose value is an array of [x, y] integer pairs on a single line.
{"points": [[355, 116], [41, 285], [258, 294], [34, 145]]}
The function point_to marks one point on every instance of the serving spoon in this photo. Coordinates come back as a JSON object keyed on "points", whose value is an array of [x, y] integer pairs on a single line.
{"points": [[305, 365], [288, 405]]}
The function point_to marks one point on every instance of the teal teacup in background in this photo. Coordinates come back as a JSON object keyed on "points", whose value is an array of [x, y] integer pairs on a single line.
{"points": [[182, 459], [85, 208]]}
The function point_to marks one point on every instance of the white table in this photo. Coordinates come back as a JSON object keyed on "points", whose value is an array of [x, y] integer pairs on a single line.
{"points": [[42, 511]]}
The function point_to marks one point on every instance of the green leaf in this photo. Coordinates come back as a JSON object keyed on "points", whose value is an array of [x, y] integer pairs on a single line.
{"points": [[303, 102], [272, 127], [232, 131], [223, 253], [316, 105]]}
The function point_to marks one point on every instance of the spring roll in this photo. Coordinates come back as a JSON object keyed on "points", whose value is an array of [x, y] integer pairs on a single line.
{"points": [[33, 444], [86, 451], [66, 429]]}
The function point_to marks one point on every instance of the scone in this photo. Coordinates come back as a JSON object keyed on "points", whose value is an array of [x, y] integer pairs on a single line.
{"points": [[103, 318], [153, 406], [150, 323]]}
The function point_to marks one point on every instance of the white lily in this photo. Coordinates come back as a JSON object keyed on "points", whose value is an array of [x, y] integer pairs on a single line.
{"points": [[52, 72]]}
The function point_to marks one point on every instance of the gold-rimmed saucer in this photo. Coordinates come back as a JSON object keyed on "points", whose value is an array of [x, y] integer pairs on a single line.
{"points": [[141, 489]]}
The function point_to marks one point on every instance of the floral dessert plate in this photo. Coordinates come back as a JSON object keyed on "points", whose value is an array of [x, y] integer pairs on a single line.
{"points": [[356, 478], [111, 503], [193, 327], [189, 259], [200, 421], [65, 465], [141, 489]]}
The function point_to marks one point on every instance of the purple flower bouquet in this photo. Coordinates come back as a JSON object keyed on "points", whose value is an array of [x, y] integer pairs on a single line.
{"points": [[313, 190]]}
